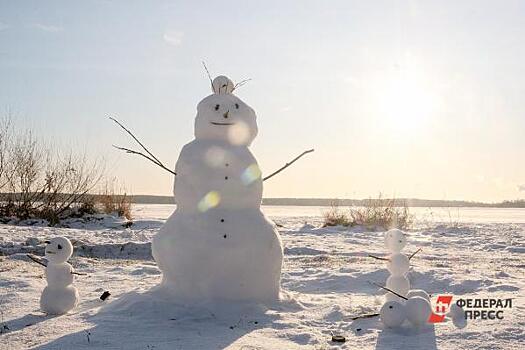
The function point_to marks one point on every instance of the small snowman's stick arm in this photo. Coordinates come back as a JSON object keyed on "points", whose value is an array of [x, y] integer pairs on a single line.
{"points": [[35, 259], [78, 273], [288, 164], [414, 253], [388, 290], [40, 262], [378, 257]]}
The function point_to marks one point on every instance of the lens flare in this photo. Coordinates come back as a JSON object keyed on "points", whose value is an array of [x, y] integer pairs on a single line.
{"points": [[215, 156], [250, 174], [210, 200], [239, 133]]}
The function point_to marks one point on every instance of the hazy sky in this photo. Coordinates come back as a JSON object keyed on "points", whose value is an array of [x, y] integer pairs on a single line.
{"points": [[409, 98]]}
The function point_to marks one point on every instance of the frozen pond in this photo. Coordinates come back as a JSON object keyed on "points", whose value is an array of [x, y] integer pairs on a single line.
{"points": [[314, 213]]}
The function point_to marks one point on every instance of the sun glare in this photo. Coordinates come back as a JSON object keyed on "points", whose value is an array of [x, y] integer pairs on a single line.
{"points": [[403, 103]]}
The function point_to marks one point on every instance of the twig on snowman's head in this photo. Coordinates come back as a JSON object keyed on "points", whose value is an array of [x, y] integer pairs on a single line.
{"points": [[36, 259], [241, 83], [208, 72], [288, 164], [150, 155], [388, 290], [378, 257], [414, 253]]}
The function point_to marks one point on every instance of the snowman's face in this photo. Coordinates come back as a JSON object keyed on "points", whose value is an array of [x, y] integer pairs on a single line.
{"points": [[225, 117], [58, 250], [395, 240]]}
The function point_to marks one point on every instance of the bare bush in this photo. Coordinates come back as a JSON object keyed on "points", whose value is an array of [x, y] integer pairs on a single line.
{"points": [[37, 181], [114, 200], [375, 212]]}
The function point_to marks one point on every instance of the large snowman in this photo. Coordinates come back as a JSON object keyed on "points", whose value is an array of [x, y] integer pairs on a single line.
{"points": [[218, 245]]}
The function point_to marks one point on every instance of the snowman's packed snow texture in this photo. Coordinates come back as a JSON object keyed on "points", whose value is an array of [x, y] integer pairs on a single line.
{"points": [[218, 245], [59, 296]]}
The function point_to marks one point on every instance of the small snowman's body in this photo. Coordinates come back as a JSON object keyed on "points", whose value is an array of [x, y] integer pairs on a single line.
{"points": [[398, 265], [218, 244], [59, 296]]}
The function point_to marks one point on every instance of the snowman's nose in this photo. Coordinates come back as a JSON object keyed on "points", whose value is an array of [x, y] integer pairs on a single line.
{"points": [[225, 115]]}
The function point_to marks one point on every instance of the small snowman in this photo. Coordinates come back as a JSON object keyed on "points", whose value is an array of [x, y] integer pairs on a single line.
{"points": [[59, 296], [398, 265]]}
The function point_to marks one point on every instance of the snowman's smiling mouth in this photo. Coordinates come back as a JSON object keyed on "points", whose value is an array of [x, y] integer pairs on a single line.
{"points": [[50, 252], [216, 123]]}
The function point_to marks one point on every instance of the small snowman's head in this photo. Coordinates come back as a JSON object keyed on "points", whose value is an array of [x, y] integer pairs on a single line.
{"points": [[58, 250], [395, 240], [223, 116]]}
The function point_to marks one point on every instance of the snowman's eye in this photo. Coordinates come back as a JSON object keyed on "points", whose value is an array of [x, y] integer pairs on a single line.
{"points": [[237, 105], [59, 246], [217, 107]]}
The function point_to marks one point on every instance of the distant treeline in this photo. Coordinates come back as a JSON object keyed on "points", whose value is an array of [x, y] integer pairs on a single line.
{"points": [[321, 202], [411, 202]]}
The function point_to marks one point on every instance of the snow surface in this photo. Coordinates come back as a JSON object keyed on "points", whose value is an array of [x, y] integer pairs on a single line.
{"points": [[325, 283]]}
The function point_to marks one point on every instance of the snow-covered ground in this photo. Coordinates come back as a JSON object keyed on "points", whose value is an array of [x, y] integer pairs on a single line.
{"points": [[470, 253]]}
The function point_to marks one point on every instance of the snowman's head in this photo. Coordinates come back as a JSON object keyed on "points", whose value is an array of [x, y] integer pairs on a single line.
{"points": [[58, 250], [223, 116], [395, 240]]}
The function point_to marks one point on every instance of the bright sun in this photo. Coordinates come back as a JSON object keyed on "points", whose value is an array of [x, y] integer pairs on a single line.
{"points": [[402, 103]]}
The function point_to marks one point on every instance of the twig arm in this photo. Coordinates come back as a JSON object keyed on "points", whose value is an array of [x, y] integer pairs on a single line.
{"points": [[130, 151], [414, 253], [378, 257], [137, 140], [78, 273], [288, 164], [36, 259], [388, 290], [150, 156], [40, 262]]}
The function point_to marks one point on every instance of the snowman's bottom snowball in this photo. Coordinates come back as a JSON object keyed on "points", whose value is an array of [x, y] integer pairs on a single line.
{"points": [[58, 301], [221, 254]]}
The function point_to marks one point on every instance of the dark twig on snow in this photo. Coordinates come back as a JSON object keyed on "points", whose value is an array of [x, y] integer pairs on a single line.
{"points": [[414, 253], [288, 164], [387, 289], [149, 155], [378, 257], [363, 316]]}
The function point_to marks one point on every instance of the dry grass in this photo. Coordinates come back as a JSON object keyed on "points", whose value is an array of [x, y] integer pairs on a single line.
{"points": [[376, 212], [115, 202]]}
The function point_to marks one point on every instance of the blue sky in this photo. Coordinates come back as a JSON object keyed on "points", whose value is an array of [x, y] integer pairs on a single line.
{"points": [[409, 98]]}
